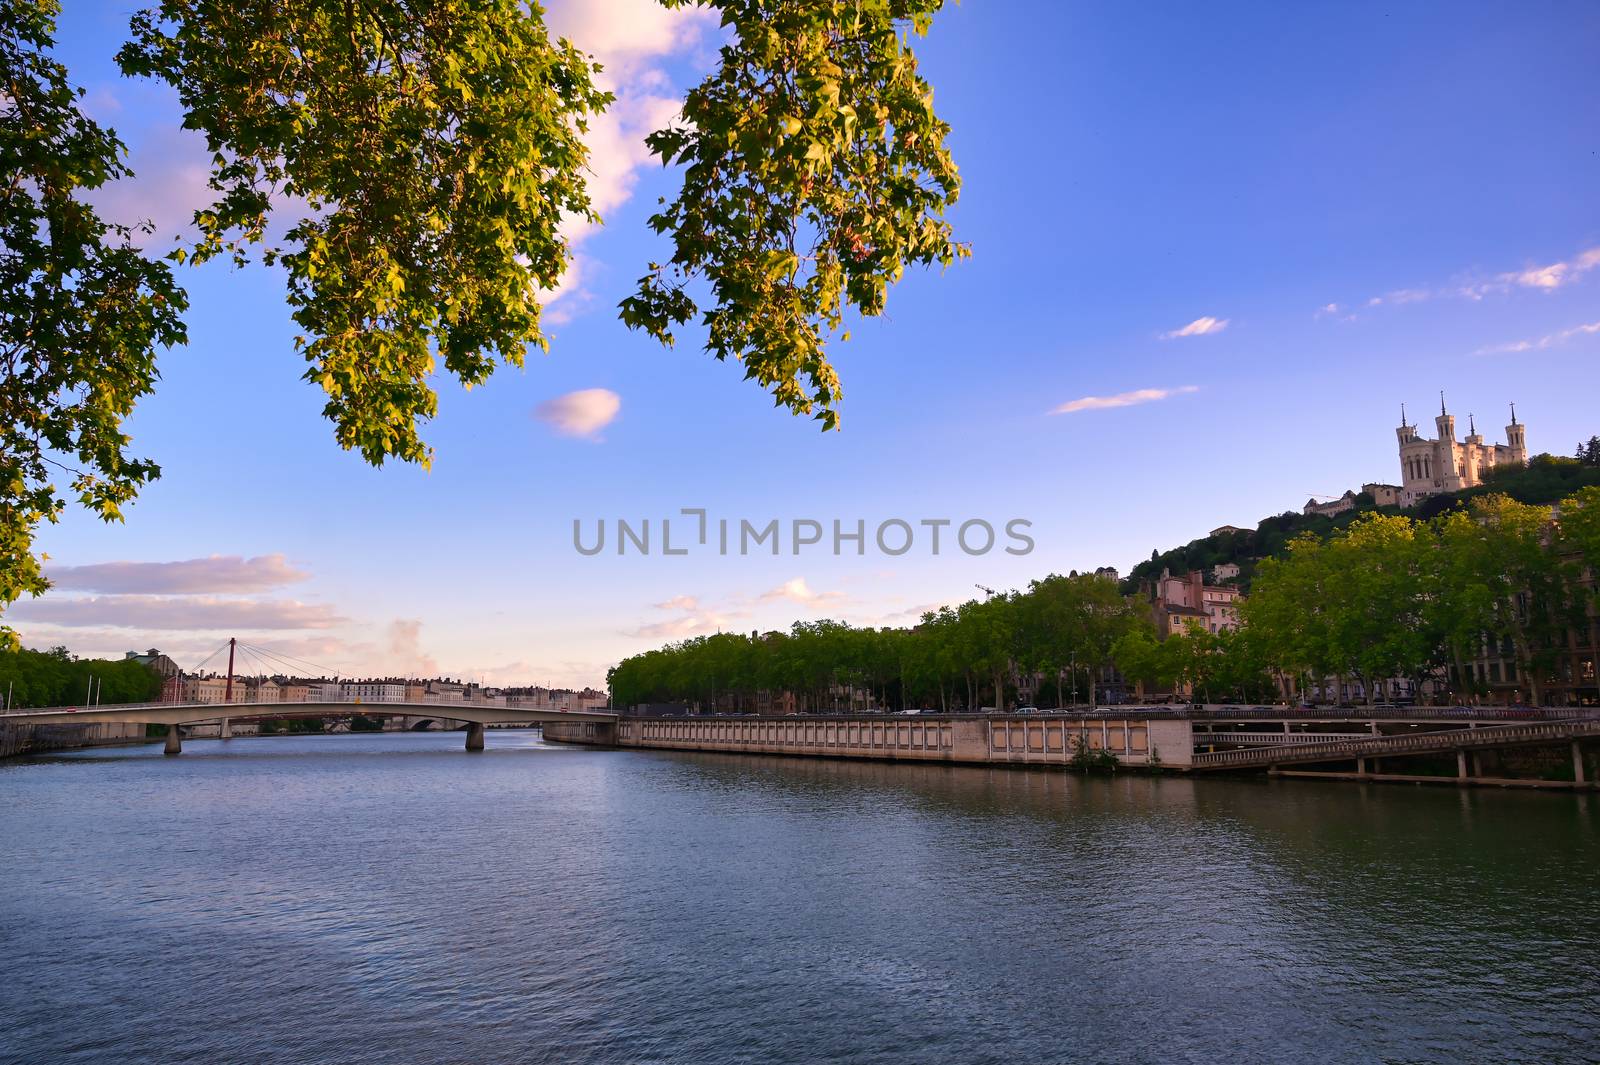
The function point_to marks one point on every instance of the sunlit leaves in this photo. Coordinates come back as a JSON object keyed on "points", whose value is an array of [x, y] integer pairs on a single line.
{"points": [[427, 152], [82, 312], [815, 171]]}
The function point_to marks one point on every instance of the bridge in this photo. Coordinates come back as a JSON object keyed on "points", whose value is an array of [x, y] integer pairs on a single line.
{"points": [[475, 715], [1257, 751]]}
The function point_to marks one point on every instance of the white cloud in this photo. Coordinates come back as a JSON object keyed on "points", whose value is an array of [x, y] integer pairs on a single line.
{"points": [[188, 648], [229, 574], [405, 649], [1546, 278], [178, 613], [1543, 343], [1553, 276], [679, 602], [1198, 328], [798, 591], [627, 37], [700, 623], [582, 413], [171, 168], [1123, 399], [1401, 296]]}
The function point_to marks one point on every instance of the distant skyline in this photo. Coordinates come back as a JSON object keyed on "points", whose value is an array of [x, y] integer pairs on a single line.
{"points": [[1215, 249]]}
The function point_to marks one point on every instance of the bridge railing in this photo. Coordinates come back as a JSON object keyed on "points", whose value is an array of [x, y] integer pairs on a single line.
{"points": [[1404, 713], [377, 705], [1418, 743], [1275, 739]]}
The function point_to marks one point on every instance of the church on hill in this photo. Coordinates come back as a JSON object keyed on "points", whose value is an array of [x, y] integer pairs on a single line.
{"points": [[1428, 467]]}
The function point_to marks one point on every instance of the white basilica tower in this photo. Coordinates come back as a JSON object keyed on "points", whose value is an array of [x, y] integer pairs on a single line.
{"points": [[1428, 467]]}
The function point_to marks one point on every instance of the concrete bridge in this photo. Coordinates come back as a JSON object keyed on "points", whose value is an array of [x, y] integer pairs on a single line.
{"points": [[175, 715]]}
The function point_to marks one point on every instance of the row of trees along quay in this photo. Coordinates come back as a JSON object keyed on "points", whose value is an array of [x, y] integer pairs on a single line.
{"points": [[1387, 596]]}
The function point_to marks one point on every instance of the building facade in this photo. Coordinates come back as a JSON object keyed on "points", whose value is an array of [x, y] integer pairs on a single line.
{"points": [[1187, 600], [1330, 507], [1428, 467], [374, 691], [214, 690]]}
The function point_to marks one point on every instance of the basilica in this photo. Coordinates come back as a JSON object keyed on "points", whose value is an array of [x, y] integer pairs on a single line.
{"points": [[1428, 467]]}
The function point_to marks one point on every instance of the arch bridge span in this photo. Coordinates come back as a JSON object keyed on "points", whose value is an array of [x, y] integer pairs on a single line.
{"points": [[175, 715]]}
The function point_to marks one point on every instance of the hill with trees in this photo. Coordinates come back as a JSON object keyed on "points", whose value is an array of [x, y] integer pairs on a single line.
{"points": [[1380, 598], [1547, 479]]}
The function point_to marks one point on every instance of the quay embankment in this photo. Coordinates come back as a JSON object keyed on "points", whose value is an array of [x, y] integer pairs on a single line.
{"points": [[21, 738], [1544, 749], [969, 739]]}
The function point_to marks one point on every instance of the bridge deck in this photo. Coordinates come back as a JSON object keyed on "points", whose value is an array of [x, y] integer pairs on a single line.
{"points": [[195, 713]]}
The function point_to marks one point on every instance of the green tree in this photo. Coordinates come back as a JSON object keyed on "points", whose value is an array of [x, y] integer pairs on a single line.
{"points": [[986, 641], [1380, 627], [1579, 528], [437, 148], [409, 166], [1073, 621], [1289, 611], [1138, 657], [81, 309], [1504, 584], [57, 678], [815, 171]]}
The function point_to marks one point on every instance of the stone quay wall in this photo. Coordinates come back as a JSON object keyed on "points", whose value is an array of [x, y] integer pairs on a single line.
{"points": [[987, 739], [17, 738]]}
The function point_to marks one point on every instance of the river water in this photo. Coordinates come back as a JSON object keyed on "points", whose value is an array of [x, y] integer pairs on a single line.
{"points": [[394, 899]]}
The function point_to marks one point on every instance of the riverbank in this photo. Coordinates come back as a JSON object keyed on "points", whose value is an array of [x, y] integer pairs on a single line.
{"points": [[19, 739], [1400, 746]]}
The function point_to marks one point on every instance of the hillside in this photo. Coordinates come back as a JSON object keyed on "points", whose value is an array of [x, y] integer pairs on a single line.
{"points": [[1546, 479]]}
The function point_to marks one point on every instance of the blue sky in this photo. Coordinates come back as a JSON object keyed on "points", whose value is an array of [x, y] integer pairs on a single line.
{"points": [[1372, 202]]}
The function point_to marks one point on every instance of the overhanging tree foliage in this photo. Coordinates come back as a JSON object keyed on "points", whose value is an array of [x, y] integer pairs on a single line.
{"points": [[409, 164], [82, 310], [816, 170]]}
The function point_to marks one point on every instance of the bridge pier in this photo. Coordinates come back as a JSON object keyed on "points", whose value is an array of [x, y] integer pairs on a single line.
{"points": [[226, 730], [1577, 762], [1461, 765], [174, 741], [474, 736]]}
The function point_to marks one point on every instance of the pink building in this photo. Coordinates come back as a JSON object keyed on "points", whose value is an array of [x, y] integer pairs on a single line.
{"points": [[1188, 598]]}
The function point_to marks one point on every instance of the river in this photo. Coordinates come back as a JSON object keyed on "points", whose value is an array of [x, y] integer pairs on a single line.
{"points": [[392, 898]]}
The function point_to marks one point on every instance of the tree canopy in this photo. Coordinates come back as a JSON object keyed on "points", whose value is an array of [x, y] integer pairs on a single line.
{"points": [[56, 678], [1383, 598], [410, 166]]}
